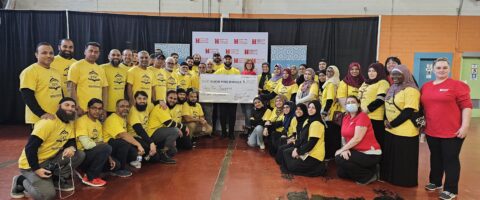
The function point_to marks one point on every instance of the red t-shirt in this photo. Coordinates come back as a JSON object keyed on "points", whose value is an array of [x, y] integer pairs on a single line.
{"points": [[348, 131], [443, 105], [245, 72]]}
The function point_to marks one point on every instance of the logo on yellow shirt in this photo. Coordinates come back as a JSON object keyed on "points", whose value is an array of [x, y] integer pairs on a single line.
{"points": [[93, 76], [65, 71], [146, 79], [61, 138], [118, 79], [54, 84]]}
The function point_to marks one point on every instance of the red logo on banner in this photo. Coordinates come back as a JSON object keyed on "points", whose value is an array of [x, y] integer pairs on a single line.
{"points": [[254, 41], [250, 51], [235, 41], [227, 51], [201, 40], [258, 41], [235, 60], [207, 50]]}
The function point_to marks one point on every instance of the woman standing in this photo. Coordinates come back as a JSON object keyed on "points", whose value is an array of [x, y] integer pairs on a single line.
{"points": [[308, 90], [264, 78], [445, 133], [332, 133], [301, 71], [400, 150], [390, 63], [372, 96], [350, 84], [272, 84], [287, 87], [260, 114], [248, 69]]}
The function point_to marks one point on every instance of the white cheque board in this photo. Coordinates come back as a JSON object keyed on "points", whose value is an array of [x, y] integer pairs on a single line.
{"points": [[228, 88]]}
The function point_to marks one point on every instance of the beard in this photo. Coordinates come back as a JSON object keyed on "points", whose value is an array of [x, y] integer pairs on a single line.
{"points": [[228, 65], [66, 54], [190, 67], [191, 103], [141, 108], [115, 62], [217, 60], [181, 101], [196, 63], [64, 116]]}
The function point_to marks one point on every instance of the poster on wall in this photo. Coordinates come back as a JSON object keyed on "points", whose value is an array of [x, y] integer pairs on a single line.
{"points": [[183, 50], [429, 69], [474, 74], [240, 45], [287, 55]]}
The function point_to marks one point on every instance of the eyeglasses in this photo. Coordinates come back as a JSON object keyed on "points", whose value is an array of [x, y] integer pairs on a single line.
{"points": [[170, 63]]}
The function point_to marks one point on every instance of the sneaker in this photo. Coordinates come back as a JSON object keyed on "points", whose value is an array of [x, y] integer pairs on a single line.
{"points": [[262, 147], [446, 195], [66, 184], [374, 178], [432, 187], [136, 164], [17, 189], [96, 182], [122, 173], [165, 159]]}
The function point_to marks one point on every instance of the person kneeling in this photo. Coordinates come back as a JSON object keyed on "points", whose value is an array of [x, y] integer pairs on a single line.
{"points": [[192, 115], [359, 157], [260, 114]]}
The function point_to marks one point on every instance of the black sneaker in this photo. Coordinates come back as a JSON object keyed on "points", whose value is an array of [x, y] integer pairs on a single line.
{"points": [[374, 178], [66, 184], [17, 188], [165, 159], [432, 187], [446, 195], [121, 173]]}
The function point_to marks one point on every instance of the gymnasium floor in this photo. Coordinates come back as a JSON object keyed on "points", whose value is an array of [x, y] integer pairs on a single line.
{"points": [[219, 169]]}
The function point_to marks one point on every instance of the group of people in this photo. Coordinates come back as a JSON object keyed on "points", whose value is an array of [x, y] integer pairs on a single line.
{"points": [[90, 119], [369, 125]]}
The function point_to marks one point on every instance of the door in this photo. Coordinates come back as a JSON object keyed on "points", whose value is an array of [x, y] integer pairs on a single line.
{"points": [[423, 65], [470, 74], [426, 71]]}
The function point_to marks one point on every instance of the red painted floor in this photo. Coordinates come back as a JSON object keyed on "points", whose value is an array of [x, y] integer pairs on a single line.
{"points": [[251, 174]]}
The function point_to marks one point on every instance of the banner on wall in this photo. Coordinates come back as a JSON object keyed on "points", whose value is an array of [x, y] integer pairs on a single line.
{"points": [[183, 50], [228, 88], [240, 45], [287, 55]]}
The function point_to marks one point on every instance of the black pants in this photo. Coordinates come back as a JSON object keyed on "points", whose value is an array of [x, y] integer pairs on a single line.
{"points": [[274, 142], [95, 160], [228, 112], [184, 142], [444, 158], [279, 157], [308, 167], [121, 150], [214, 117], [165, 139], [379, 131], [333, 139], [359, 167]]}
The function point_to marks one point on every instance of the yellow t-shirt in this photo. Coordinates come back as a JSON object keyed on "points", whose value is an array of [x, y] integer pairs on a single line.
{"points": [[317, 130], [286, 90], [196, 82], [161, 88], [194, 111], [368, 93], [176, 113], [156, 119], [276, 118], [264, 86], [292, 128], [85, 126], [270, 85], [217, 66], [62, 66], [327, 94], [407, 98], [231, 71], [117, 80], [183, 81], [54, 134], [344, 91], [313, 90], [170, 80], [46, 83], [141, 80], [113, 126], [137, 117], [90, 79]]}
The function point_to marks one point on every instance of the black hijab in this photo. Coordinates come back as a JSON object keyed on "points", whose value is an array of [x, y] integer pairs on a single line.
{"points": [[257, 114], [303, 137], [289, 116], [320, 84], [265, 76], [301, 119]]}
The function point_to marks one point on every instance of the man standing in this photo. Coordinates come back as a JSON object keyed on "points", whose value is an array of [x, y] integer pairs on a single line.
{"points": [[116, 75], [183, 77], [192, 115], [139, 78], [157, 69], [40, 86], [175, 57], [63, 61], [50, 153], [192, 68], [168, 74], [127, 55], [197, 59], [87, 80], [217, 61]]}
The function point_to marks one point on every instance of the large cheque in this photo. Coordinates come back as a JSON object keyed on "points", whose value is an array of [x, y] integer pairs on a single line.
{"points": [[228, 88]]}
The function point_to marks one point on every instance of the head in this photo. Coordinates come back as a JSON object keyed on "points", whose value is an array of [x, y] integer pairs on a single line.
{"points": [[249, 65], [330, 72], [202, 68], [217, 58], [175, 57], [92, 52], [182, 96], [227, 60], [322, 75], [301, 110], [314, 108], [294, 70], [376, 69], [301, 69], [141, 100], [397, 76], [143, 59], [288, 107], [192, 97], [277, 70], [169, 63], [65, 48], [354, 69], [441, 68], [197, 59], [95, 108], [159, 61], [257, 103], [66, 109], [309, 74], [189, 61], [127, 56], [210, 65], [171, 98], [265, 67], [184, 68], [322, 64], [44, 54], [391, 62], [135, 58], [122, 107], [280, 101], [114, 57], [352, 105], [286, 73]]}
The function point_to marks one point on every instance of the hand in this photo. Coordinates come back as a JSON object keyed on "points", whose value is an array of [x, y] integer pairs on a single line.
{"points": [[111, 162], [387, 124], [338, 152], [295, 153], [462, 132], [153, 149], [187, 131], [43, 173], [265, 132], [180, 134], [48, 116], [68, 152], [80, 111], [268, 123], [345, 154], [203, 121], [141, 151], [163, 105]]}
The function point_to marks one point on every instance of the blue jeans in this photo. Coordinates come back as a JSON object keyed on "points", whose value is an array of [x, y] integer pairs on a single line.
{"points": [[256, 138]]}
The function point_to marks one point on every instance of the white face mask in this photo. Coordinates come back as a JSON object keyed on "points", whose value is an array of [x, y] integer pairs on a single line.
{"points": [[351, 108]]}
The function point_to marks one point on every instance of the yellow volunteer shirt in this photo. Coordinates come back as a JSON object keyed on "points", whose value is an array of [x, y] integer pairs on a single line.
{"points": [[125, 66], [330, 94], [194, 111], [141, 80], [264, 86], [117, 81], [317, 130], [407, 98], [137, 117], [274, 117], [344, 91], [161, 88], [231, 71], [183, 81], [196, 82], [85, 126], [368, 93], [90, 79], [176, 113], [270, 85], [113, 126], [156, 119], [54, 134], [47, 85], [62, 66], [170, 80], [267, 115], [286, 90], [292, 128], [216, 66]]}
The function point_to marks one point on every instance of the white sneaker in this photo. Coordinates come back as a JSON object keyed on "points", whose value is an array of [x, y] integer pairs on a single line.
{"points": [[136, 164], [262, 146]]}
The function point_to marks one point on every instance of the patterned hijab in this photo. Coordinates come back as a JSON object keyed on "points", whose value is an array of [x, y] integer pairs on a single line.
{"points": [[307, 83], [275, 77], [407, 81]]}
